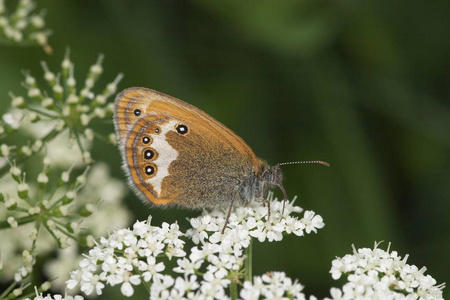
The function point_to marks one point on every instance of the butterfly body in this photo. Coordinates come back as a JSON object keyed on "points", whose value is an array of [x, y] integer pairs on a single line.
{"points": [[174, 153]]}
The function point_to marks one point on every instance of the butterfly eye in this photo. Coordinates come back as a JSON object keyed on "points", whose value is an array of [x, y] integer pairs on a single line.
{"points": [[146, 140], [150, 170], [149, 154], [182, 129], [137, 112]]}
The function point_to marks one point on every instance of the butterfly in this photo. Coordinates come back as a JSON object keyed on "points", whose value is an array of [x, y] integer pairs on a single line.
{"points": [[176, 154]]}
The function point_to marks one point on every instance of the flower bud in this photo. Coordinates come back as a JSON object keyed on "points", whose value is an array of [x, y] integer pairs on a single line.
{"points": [[15, 173], [18, 102], [17, 292], [69, 197], [59, 91], [22, 190], [25, 150], [85, 119], [34, 93], [12, 222], [10, 203], [51, 225], [46, 286], [89, 134], [100, 99], [37, 145], [29, 80], [48, 103], [71, 227], [4, 150], [87, 210]]}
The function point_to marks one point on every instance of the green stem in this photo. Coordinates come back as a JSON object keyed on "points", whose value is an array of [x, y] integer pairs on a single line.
{"points": [[80, 144], [146, 284], [233, 290], [8, 290], [64, 231], [51, 233], [37, 226], [248, 262], [20, 221], [44, 113]]}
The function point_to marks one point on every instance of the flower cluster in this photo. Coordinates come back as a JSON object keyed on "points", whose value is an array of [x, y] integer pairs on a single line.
{"points": [[42, 206], [56, 297], [22, 27], [216, 262], [34, 205], [140, 249], [39, 296], [63, 107], [379, 274], [272, 285], [253, 221], [54, 205]]}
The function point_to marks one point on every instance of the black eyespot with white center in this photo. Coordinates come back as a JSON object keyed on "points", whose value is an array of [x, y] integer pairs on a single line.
{"points": [[182, 129], [149, 170], [157, 130], [149, 154], [137, 112], [146, 140]]}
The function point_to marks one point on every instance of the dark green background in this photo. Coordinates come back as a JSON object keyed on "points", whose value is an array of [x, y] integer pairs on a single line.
{"points": [[362, 85]]}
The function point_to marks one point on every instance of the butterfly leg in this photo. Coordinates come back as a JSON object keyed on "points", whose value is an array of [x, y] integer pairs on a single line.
{"points": [[267, 202], [229, 213]]}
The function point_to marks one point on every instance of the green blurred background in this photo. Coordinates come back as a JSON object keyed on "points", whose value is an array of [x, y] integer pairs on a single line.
{"points": [[362, 85]]}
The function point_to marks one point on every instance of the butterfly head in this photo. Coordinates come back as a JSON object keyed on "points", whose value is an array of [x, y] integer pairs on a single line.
{"points": [[273, 175]]}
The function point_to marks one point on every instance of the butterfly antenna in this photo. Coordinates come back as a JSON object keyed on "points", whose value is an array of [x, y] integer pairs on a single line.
{"points": [[295, 163], [305, 162]]}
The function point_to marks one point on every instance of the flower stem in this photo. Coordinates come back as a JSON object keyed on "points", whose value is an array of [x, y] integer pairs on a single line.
{"points": [[20, 221], [233, 290], [8, 290], [248, 262]]}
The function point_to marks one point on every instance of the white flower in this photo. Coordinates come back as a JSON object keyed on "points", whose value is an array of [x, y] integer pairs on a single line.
{"points": [[312, 222], [127, 288], [150, 268], [90, 282], [214, 286], [186, 284], [186, 266], [171, 234]]}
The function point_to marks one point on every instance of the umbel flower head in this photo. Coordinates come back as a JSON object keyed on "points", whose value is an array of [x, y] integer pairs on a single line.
{"points": [[63, 106], [131, 257], [22, 27], [34, 214], [379, 274]]}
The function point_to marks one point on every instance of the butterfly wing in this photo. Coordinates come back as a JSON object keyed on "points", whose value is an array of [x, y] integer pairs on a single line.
{"points": [[176, 153]]}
